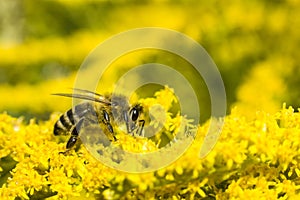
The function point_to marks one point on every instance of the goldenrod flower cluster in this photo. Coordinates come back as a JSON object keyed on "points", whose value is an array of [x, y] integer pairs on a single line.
{"points": [[253, 158]]}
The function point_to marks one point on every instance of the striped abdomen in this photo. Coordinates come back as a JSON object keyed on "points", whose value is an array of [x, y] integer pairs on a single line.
{"points": [[68, 120], [64, 124], [71, 121]]}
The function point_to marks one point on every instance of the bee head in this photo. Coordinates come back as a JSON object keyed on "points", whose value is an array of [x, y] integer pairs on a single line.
{"points": [[133, 116]]}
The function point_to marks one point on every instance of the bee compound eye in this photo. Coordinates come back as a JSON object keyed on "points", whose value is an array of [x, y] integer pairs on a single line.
{"points": [[134, 113]]}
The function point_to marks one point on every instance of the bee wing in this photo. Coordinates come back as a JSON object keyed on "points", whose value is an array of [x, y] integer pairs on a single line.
{"points": [[87, 95], [86, 92]]}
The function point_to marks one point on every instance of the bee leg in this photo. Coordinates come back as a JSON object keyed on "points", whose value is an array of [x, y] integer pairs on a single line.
{"points": [[141, 127], [111, 130], [125, 116], [106, 121], [72, 141], [74, 135]]}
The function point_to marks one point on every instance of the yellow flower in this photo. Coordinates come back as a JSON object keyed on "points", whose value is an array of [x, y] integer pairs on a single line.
{"points": [[253, 158]]}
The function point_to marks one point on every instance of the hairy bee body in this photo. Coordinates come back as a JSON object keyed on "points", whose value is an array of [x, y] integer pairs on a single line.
{"points": [[106, 111]]}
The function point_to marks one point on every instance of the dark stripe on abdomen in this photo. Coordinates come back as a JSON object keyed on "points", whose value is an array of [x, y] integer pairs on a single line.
{"points": [[70, 116]]}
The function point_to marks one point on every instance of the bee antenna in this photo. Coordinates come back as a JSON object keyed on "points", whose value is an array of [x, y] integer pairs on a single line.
{"points": [[88, 96]]}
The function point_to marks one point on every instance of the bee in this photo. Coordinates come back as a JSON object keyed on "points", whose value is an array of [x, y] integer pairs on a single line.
{"points": [[108, 111]]}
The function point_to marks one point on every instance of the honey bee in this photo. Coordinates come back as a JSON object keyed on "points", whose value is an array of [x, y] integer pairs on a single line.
{"points": [[108, 111]]}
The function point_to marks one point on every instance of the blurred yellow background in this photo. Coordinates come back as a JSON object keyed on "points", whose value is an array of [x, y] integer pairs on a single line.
{"points": [[255, 45]]}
